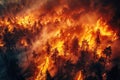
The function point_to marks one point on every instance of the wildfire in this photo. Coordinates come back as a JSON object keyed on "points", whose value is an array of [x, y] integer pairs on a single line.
{"points": [[56, 38], [94, 34], [91, 37]]}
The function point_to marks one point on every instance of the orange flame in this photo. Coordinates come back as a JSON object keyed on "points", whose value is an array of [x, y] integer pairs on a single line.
{"points": [[59, 30]]}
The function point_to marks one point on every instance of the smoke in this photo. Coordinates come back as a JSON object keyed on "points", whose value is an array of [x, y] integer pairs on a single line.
{"points": [[107, 9], [116, 49], [87, 11]]}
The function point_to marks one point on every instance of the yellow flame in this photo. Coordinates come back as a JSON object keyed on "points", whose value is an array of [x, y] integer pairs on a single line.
{"points": [[42, 70], [79, 76]]}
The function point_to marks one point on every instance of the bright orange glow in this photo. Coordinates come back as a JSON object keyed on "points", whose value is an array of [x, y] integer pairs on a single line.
{"points": [[59, 30], [86, 38], [24, 42], [42, 69], [26, 21], [1, 44], [79, 76]]}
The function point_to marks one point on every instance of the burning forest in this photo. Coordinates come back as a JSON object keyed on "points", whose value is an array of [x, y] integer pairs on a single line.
{"points": [[59, 40]]}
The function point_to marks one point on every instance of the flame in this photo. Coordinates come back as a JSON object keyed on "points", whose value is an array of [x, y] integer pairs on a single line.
{"points": [[60, 30], [26, 21], [63, 30], [42, 69], [24, 42], [79, 76], [89, 34], [1, 43], [59, 46]]}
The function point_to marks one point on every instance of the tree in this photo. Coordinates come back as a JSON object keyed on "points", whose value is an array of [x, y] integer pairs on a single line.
{"points": [[107, 51], [48, 48], [75, 45]]}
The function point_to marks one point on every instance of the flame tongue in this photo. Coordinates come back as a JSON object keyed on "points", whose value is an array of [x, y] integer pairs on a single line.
{"points": [[42, 69]]}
